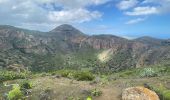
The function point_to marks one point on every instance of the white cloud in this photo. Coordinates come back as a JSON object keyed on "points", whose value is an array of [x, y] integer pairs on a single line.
{"points": [[143, 11], [155, 1], [134, 21], [145, 7], [47, 12], [126, 4], [74, 15], [80, 3], [163, 5]]}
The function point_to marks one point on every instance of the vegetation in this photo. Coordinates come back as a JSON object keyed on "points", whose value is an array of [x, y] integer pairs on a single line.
{"points": [[78, 75], [15, 93], [11, 75], [67, 52], [99, 81], [148, 72], [161, 90], [96, 92], [25, 84], [89, 98]]}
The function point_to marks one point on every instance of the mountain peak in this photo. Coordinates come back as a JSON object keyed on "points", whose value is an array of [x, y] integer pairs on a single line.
{"points": [[64, 27]]}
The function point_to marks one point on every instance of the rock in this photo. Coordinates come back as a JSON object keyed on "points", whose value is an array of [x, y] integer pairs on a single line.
{"points": [[58, 76], [139, 93]]}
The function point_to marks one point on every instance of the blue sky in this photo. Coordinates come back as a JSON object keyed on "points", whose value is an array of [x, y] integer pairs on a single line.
{"points": [[126, 18]]}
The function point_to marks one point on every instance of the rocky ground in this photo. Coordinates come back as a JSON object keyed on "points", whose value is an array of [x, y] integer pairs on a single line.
{"points": [[59, 88]]}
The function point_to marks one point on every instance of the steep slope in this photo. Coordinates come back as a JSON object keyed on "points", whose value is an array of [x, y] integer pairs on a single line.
{"points": [[67, 47], [158, 51], [67, 37], [104, 41], [23, 40], [17, 46]]}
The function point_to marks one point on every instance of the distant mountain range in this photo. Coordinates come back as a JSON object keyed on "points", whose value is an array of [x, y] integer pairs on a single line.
{"points": [[67, 47]]}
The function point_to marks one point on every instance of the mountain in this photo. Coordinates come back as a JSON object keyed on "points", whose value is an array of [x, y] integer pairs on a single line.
{"points": [[67, 47], [153, 41]]}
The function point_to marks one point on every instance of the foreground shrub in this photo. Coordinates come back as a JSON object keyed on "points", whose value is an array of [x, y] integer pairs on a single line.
{"points": [[25, 84], [65, 73], [96, 92], [15, 93], [84, 76], [10, 75], [166, 95], [148, 72], [89, 98], [78, 75]]}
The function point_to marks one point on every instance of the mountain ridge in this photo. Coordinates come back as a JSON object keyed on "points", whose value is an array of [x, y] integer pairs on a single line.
{"points": [[66, 46]]}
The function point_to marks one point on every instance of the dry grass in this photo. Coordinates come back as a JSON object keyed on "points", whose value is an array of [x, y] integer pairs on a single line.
{"points": [[63, 88]]}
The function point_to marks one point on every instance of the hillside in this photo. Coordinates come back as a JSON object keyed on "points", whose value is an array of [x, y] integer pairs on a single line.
{"points": [[67, 47], [66, 64]]}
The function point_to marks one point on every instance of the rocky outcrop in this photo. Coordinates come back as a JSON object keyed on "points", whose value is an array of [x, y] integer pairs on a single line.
{"points": [[105, 42], [139, 93]]}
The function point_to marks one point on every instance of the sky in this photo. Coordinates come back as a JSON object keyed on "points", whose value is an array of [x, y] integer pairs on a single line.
{"points": [[125, 18]]}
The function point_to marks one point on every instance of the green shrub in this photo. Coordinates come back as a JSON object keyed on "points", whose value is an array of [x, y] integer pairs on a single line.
{"points": [[148, 72], [25, 84], [96, 92], [15, 93], [78, 75], [89, 98], [83, 76], [166, 95], [65, 73], [10, 75]]}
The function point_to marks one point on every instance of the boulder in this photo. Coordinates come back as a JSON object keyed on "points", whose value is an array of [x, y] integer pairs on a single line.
{"points": [[139, 93]]}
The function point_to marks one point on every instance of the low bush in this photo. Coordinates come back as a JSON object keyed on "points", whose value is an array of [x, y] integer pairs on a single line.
{"points": [[166, 95], [26, 84], [78, 75], [15, 93], [148, 72], [65, 73], [96, 92], [89, 98], [83, 76], [10, 75]]}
